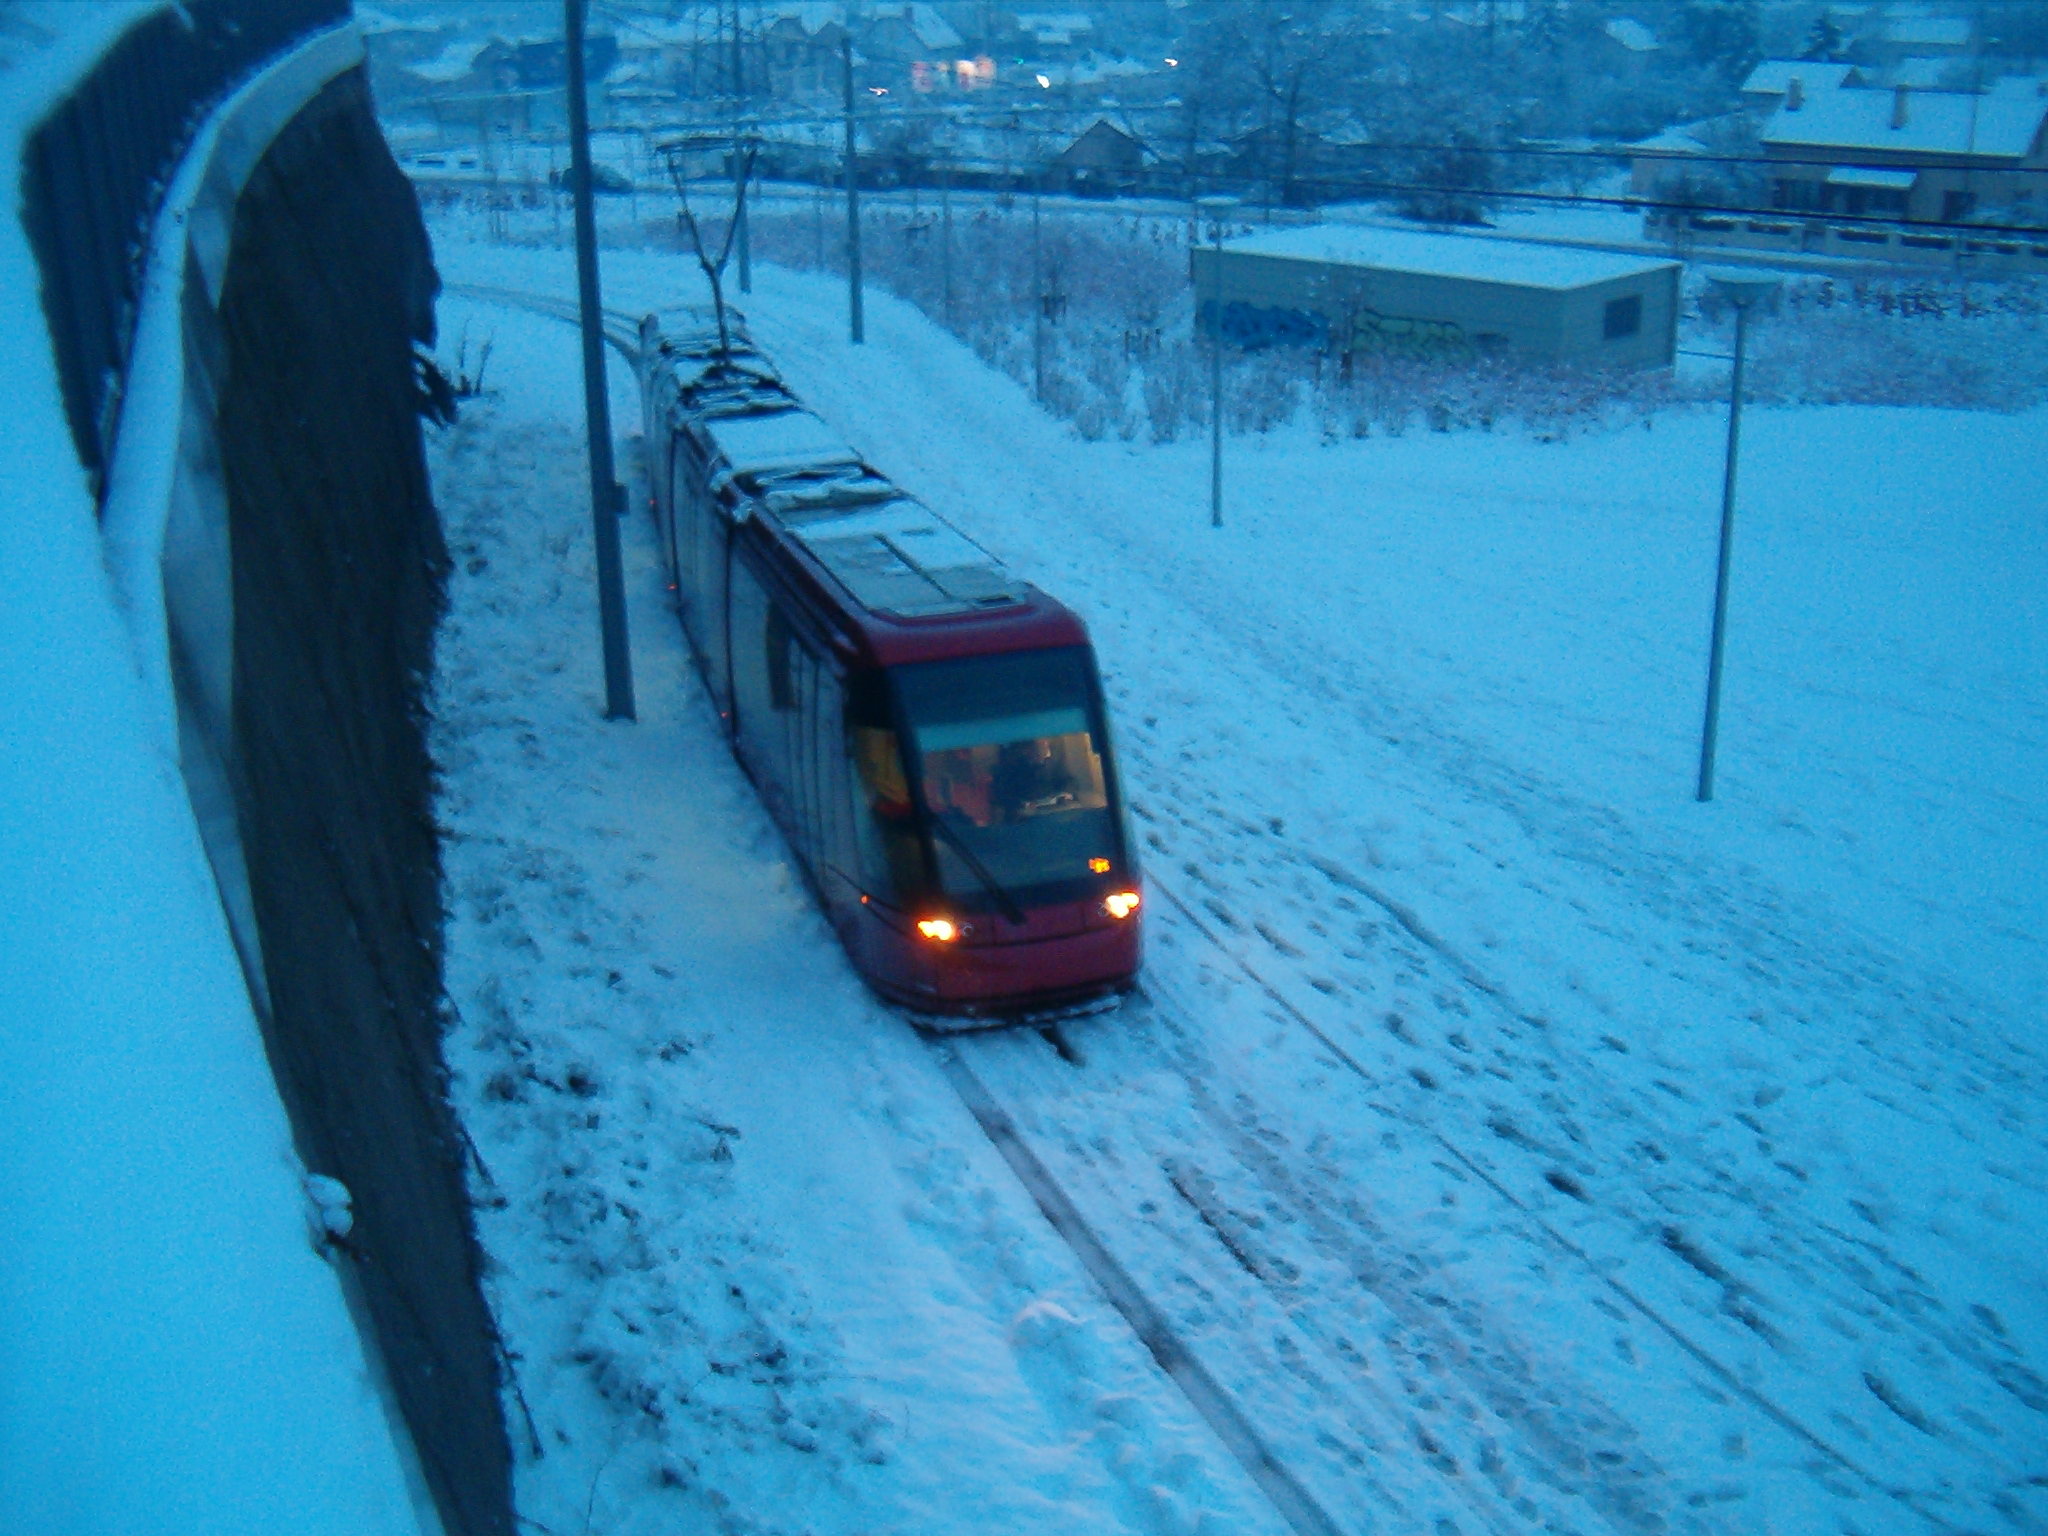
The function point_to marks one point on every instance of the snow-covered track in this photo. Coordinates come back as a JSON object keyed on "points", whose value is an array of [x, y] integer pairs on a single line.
{"points": [[1270, 1303], [1318, 1342], [621, 330], [1217, 1408]]}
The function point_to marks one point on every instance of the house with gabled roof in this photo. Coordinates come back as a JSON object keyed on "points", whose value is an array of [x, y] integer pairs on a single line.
{"points": [[1772, 80], [1952, 178], [1917, 156]]}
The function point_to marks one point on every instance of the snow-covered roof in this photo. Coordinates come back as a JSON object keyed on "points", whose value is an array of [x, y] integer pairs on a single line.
{"points": [[372, 22], [1632, 35], [1928, 32], [1069, 23], [1937, 123], [1872, 176], [1678, 139], [931, 29], [891, 552], [758, 444], [452, 63], [1517, 263], [1928, 74], [1774, 76]]}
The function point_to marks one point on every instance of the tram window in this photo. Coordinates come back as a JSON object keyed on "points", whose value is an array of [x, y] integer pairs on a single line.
{"points": [[781, 689], [892, 862], [1008, 756]]}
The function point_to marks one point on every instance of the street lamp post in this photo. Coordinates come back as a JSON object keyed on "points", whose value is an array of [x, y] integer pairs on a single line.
{"points": [[1216, 208], [1743, 290]]}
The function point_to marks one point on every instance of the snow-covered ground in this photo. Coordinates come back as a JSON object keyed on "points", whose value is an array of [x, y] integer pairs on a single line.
{"points": [[1521, 1144]]}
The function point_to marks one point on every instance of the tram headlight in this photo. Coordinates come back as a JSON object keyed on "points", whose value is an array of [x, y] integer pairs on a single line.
{"points": [[1121, 903], [938, 929]]}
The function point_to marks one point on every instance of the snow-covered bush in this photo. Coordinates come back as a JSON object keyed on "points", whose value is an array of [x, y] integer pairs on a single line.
{"points": [[1106, 303]]}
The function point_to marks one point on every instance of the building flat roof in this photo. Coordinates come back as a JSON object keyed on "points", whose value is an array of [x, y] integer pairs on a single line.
{"points": [[1514, 263]]}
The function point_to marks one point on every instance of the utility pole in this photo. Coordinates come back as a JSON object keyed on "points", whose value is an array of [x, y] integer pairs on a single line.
{"points": [[742, 162], [607, 496], [739, 116], [857, 326], [946, 233], [1216, 208], [1037, 302], [1743, 290]]}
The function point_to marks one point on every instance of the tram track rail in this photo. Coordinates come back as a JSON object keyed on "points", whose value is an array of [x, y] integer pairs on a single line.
{"points": [[1217, 1407]]}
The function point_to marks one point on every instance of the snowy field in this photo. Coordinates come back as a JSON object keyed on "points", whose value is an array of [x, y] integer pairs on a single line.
{"points": [[1520, 1144]]}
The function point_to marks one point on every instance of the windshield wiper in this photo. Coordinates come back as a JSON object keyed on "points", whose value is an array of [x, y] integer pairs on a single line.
{"points": [[1005, 903]]}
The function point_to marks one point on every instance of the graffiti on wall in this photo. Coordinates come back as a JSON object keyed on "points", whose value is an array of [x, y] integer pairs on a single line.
{"points": [[1396, 336], [1254, 329]]}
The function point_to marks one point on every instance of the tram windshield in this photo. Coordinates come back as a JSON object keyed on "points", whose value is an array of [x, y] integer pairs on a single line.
{"points": [[1008, 762]]}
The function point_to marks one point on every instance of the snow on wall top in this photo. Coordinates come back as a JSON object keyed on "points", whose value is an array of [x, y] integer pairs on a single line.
{"points": [[1937, 123], [46, 46], [1518, 263]]}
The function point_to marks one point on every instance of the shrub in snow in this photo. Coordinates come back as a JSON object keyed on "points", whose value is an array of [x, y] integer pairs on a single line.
{"points": [[1106, 300]]}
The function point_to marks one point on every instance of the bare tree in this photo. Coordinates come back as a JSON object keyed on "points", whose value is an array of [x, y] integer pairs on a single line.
{"points": [[714, 270]]}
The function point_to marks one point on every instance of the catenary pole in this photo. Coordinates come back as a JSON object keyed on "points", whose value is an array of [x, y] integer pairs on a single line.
{"points": [[739, 121], [856, 324], [607, 497], [1743, 292], [1038, 302], [1216, 208], [946, 235]]}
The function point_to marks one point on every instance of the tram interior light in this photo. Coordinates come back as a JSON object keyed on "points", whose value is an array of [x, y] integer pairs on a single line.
{"points": [[1122, 904]]}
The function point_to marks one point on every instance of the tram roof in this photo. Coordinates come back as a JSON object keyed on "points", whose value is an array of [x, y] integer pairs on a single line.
{"points": [[894, 556]]}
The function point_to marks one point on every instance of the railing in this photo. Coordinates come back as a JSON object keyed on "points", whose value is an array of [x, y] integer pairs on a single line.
{"points": [[1993, 253], [95, 169]]}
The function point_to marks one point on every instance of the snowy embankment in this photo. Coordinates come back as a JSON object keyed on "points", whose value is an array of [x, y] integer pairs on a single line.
{"points": [[1687, 1164]]}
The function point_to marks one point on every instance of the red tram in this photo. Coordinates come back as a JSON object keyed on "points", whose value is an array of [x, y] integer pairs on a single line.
{"points": [[927, 730]]}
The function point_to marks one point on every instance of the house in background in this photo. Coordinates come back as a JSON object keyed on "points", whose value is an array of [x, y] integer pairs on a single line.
{"points": [[1103, 161], [1917, 156], [1883, 174]]}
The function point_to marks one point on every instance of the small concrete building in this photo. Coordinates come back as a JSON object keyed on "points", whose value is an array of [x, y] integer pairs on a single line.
{"points": [[1350, 288]]}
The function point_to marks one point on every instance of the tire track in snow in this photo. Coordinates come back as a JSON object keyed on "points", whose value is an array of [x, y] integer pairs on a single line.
{"points": [[1723, 1374], [1406, 1429]]}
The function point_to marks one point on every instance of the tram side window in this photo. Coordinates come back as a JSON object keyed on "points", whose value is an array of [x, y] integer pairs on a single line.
{"points": [[781, 685], [761, 732], [885, 824]]}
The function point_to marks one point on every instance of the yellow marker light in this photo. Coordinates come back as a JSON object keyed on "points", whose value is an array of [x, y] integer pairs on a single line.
{"points": [[937, 929], [1122, 904], [1098, 866]]}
